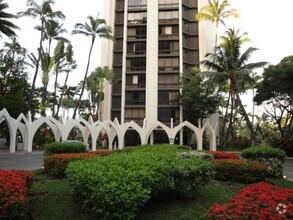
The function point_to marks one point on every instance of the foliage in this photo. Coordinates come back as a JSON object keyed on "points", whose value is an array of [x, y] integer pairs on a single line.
{"points": [[223, 155], [66, 147], [96, 27], [95, 84], [257, 201], [117, 186], [275, 91], [272, 157], [198, 100], [55, 165], [231, 71], [253, 153], [14, 88], [195, 154], [6, 26], [241, 171], [14, 186], [239, 142]]}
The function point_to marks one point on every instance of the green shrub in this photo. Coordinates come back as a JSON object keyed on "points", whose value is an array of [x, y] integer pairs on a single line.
{"points": [[195, 154], [117, 186], [241, 171], [55, 165], [253, 153], [272, 157], [66, 147]]}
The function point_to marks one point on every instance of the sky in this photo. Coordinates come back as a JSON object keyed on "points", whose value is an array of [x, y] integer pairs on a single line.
{"points": [[267, 22]]}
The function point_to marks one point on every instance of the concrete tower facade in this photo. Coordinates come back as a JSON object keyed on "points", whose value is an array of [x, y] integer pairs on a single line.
{"points": [[157, 43]]}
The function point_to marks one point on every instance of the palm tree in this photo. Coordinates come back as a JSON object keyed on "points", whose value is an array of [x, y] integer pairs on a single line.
{"points": [[216, 12], [13, 49], [43, 12], [52, 31], [95, 84], [231, 68], [71, 65], [6, 26], [95, 27]]}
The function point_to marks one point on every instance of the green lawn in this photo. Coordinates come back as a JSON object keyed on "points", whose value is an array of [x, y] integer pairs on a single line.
{"points": [[52, 199]]}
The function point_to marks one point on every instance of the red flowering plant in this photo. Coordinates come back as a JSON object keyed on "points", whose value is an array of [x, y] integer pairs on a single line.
{"points": [[223, 155], [55, 165], [260, 201], [14, 186]]}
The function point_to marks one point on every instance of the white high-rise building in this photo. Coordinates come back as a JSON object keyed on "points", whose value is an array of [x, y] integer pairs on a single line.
{"points": [[157, 43]]}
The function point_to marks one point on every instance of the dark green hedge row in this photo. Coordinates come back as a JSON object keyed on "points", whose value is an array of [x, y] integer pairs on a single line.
{"points": [[254, 153], [117, 186], [241, 171], [64, 147], [272, 157]]}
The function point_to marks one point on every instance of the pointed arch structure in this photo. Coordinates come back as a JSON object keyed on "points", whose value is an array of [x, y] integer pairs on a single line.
{"points": [[90, 129]]}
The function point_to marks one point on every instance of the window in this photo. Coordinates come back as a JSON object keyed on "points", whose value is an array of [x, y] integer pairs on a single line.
{"points": [[136, 48], [137, 17], [165, 115], [168, 47], [168, 64], [168, 3], [137, 81], [167, 97], [168, 80], [137, 4], [136, 64], [168, 16], [136, 33], [168, 31], [134, 114], [135, 98]]}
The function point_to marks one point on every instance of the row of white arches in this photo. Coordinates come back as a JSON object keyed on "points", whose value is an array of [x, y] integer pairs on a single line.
{"points": [[91, 130]]}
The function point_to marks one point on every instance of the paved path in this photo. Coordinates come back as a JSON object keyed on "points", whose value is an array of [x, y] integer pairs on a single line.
{"points": [[22, 161], [33, 161]]}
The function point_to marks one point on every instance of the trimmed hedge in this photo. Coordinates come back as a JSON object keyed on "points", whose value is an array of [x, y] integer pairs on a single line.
{"points": [[272, 157], [55, 165], [117, 186], [242, 171], [64, 147], [254, 153]]}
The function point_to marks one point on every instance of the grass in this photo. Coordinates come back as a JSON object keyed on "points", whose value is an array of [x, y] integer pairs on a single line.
{"points": [[52, 199]]}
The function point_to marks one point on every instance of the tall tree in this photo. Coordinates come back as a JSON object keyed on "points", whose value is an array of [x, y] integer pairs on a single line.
{"points": [[96, 27], [44, 13], [231, 67], [6, 27], [95, 85], [216, 11], [70, 66]]}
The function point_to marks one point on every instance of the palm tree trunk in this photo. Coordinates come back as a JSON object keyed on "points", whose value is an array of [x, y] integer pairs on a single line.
{"points": [[84, 79], [246, 118], [55, 92], [32, 92], [224, 122], [62, 94]]}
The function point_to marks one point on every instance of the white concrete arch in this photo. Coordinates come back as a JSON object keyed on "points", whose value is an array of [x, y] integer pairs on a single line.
{"points": [[156, 125]]}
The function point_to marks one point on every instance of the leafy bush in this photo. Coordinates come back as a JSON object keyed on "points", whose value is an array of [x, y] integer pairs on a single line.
{"points": [[195, 154], [239, 142], [272, 157], [242, 171], [223, 155], [253, 153], [117, 186], [64, 147], [257, 201], [14, 186], [55, 165]]}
